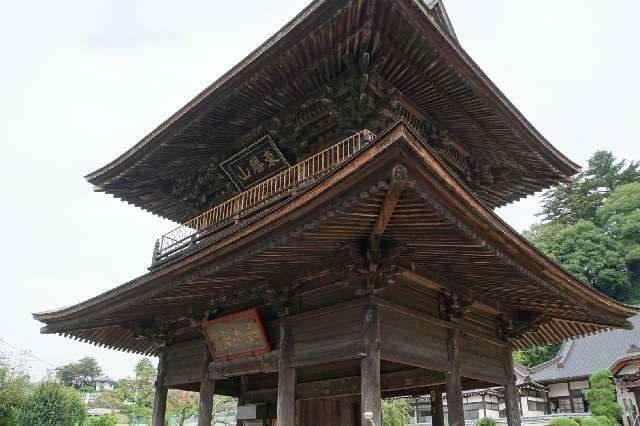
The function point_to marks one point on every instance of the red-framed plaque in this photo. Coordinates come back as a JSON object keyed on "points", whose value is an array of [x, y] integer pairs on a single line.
{"points": [[236, 336]]}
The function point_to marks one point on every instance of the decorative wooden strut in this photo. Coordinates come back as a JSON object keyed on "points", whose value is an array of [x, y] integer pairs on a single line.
{"points": [[260, 196]]}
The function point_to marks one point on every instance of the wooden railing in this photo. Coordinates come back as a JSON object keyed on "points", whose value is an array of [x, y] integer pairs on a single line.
{"points": [[265, 193]]}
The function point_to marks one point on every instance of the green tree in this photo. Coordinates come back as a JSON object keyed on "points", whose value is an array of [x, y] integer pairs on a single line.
{"points": [[395, 412], [51, 404], [14, 383], [79, 374], [223, 410], [591, 227], [601, 395], [620, 216], [182, 404], [588, 252], [536, 355], [584, 194], [135, 396]]}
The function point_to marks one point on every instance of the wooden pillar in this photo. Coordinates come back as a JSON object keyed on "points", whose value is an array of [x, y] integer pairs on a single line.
{"points": [[207, 390], [160, 398], [286, 380], [370, 396], [511, 397], [437, 410], [455, 408], [242, 399]]}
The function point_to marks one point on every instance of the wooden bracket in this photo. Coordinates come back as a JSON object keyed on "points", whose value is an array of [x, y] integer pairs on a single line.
{"points": [[374, 254], [452, 306]]}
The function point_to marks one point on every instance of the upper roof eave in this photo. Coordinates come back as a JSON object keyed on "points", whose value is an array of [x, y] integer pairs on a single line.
{"points": [[415, 8], [150, 279]]}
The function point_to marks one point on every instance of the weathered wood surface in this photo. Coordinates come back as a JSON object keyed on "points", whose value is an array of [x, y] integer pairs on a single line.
{"points": [[455, 410], [327, 336], [511, 394], [207, 390], [324, 412], [286, 379], [160, 398], [184, 362], [370, 390]]}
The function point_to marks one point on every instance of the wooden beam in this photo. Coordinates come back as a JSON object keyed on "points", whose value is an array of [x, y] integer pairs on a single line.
{"points": [[207, 390], [437, 410], [454, 381], [267, 363], [511, 396], [160, 398], [286, 380], [370, 391], [398, 182], [345, 387], [432, 280], [435, 321]]}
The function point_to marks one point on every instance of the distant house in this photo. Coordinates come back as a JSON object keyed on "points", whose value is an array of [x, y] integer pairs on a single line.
{"points": [[482, 403], [104, 384], [559, 385], [567, 375], [91, 399]]}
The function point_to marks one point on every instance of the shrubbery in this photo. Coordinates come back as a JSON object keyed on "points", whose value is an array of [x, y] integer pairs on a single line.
{"points": [[104, 420], [563, 421], [596, 421], [51, 404], [486, 421]]}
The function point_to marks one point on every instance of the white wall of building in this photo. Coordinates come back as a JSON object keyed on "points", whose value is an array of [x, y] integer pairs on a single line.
{"points": [[558, 389]]}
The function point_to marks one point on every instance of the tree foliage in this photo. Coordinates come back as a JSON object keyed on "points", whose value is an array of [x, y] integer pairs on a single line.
{"points": [[14, 383], [601, 395], [589, 253], [79, 374], [585, 193], [51, 404], [135, 395], [395, 412], [591, 227], [563, 421], [182, 404], [597, 421], [536, 355]]}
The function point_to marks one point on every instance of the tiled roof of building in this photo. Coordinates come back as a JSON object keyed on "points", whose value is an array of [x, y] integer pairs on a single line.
{"points": [[581, 357]]}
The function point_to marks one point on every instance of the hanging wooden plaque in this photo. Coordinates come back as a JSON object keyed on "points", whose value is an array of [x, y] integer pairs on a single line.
{"points": [[255, 163], [236, 336]]}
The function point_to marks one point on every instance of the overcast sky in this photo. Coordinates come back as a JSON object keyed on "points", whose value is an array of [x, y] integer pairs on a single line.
{"points": [[83, 81]]}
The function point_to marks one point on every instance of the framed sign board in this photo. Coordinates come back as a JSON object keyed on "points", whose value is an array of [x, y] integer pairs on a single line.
{"points": [[255, 163], [236, 336]]}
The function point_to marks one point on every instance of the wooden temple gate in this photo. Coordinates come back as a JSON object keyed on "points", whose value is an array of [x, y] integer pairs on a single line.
{"points": [[321, 266]]}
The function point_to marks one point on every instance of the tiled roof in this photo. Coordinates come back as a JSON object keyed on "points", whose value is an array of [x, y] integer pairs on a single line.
{"points": [[583, 356]]}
